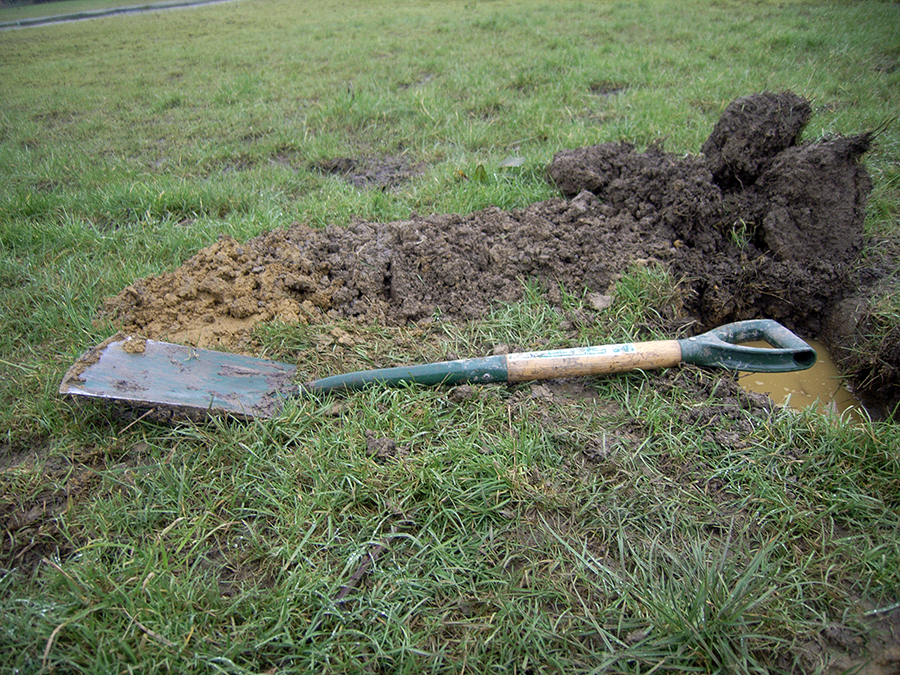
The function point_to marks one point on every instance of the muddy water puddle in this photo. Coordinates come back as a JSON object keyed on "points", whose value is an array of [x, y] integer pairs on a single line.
{"points": [[820, 386]]}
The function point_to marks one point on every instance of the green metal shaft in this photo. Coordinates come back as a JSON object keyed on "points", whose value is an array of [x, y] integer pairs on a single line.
{"points": [[482, 370]]}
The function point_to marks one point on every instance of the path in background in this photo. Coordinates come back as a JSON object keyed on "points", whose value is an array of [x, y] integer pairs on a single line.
{"points": [[102, 13]]}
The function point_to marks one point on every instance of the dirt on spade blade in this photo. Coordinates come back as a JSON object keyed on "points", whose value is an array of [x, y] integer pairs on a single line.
{"points": [[756, 225]]}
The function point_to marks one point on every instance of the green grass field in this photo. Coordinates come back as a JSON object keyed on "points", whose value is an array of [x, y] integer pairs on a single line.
{"points": [[638, 528]]}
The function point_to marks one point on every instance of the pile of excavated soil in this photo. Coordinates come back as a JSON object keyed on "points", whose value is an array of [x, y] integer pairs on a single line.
{"points": [[457, 266], [757, 226]]}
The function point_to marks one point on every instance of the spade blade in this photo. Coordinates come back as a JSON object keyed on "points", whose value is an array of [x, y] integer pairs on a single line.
{"points": [[188, 380]]}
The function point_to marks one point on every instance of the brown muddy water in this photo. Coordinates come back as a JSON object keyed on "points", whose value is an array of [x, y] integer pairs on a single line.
{"points": [[820, 386]]}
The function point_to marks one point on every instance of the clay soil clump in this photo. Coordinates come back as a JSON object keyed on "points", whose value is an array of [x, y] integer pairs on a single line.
{"points": [[755, 226]]}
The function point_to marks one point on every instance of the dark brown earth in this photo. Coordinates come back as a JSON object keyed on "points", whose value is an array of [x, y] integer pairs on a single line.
{"points": [[384, 172], [756, 226]]}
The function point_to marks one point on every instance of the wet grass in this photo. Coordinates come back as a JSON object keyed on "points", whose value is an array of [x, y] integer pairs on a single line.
{"points": [[414, 530], [646, 521]]}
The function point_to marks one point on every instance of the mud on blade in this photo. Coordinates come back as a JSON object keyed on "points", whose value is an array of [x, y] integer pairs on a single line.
{"points": [[182, 379]]}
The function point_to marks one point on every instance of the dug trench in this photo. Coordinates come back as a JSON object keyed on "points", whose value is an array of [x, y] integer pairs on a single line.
{"points": [[756, 225]]}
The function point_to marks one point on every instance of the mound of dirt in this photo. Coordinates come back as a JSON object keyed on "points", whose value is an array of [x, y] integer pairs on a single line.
{"points": [[768, 229], [757, 226], [390, 272], [750, 133]]}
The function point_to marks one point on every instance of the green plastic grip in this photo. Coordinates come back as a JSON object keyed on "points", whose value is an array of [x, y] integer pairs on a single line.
{"points": [[718, 349]]}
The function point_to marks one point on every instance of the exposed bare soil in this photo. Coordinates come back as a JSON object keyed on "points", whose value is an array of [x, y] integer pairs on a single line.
{"points": [[756, 225]]}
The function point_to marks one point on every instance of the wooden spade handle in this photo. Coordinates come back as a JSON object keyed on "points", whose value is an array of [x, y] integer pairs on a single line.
{"points": [[599, 360]]}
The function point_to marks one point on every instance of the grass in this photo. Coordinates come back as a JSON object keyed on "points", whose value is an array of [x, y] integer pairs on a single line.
{"points": [[230, 544], [635, 523]]}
